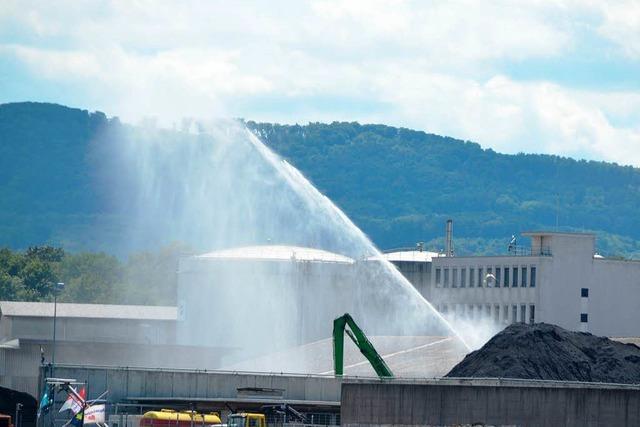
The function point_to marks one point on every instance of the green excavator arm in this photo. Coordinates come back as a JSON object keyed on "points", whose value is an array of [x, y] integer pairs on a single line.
{"points": [[361, 341]]}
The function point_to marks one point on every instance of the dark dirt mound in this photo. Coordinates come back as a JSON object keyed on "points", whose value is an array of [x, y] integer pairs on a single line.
{"points": [[549, 352]]}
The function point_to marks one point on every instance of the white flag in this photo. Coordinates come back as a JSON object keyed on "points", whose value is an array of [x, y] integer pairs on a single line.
{"points": [[74, 403], [94, 414]]}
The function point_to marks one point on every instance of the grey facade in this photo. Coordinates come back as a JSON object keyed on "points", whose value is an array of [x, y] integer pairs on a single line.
{"points": [[559, 279]]}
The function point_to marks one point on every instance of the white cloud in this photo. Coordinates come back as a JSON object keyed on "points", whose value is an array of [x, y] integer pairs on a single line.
{"points": [[433, 66], [621, 24]]}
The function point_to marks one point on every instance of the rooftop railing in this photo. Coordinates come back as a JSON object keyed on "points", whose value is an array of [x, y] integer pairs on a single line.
{"points": [[516, 250]]}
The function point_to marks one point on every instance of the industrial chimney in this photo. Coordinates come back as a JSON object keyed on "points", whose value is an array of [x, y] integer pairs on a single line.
{"points": [[448, 242]]}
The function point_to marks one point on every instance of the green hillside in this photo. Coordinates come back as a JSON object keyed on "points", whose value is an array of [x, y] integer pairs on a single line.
{"points": [[398, 185]]}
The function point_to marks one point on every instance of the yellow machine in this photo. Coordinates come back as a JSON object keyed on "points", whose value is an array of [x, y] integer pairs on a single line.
{"points": [[246, 419], [171, 418]]}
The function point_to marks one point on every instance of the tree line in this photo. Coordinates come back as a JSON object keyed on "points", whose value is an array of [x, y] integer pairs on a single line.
{"points": [[148, 278]]}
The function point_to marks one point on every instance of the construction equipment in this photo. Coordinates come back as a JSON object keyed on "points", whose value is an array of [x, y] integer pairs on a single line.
{"points": [[361, 341], [287, 412], [172, 418], [246, 419]]}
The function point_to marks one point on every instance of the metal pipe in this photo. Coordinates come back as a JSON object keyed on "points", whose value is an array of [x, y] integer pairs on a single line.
{"points": [[448, 244]]}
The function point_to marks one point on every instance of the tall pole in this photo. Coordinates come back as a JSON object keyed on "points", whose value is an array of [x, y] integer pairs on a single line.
{"points": [[57, 287], [53, 349]]}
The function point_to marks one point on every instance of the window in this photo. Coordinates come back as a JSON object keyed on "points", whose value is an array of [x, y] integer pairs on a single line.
{"points": [[514, 313], [479, 312], [480, 278], [445, 309], [487, 311], [584, 318], [584, 292], [454, 277], [533, 277], [472, 277], [523, 313], [438, 278], [497, 282], [446, 277], [506, 277], [514, 282], [505, 314], [463, 277], [524, 277], [496, 313], [532, 314], [487, 280]]}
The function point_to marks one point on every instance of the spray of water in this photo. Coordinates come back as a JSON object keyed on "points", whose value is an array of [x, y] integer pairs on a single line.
{"points": [[224, 193], [301, 184]]}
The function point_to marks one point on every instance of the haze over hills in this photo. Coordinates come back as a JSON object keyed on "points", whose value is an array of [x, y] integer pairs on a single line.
{"points": [[398, 185]]}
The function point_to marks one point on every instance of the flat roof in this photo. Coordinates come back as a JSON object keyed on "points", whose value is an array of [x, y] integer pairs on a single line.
{"points": [[557, 233], [95, 311]]}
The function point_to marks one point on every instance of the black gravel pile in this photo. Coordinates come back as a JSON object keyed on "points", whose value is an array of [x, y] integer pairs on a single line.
{"points": [[549, 352]]}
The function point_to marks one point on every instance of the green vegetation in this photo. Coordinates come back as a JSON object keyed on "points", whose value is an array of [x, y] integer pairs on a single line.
{"points": [[146, 278], [398, 185], [401, 185]]}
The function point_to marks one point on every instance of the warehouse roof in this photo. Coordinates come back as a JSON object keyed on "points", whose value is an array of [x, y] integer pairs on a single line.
{"points": [[95, 311], [277, 252]]}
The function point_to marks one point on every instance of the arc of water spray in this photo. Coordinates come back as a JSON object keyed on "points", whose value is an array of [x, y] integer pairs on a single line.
{"points": [[302, 185]]}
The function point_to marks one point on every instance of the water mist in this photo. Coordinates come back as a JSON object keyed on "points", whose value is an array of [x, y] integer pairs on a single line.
{"points": [[221, 188]]}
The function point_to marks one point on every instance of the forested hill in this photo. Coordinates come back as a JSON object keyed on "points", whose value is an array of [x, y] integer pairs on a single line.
{"points": [[401, 185], [398, 185]]}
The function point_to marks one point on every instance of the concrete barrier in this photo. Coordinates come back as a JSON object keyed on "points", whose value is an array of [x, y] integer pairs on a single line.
{"points": [[449, 402], [197, 385]]}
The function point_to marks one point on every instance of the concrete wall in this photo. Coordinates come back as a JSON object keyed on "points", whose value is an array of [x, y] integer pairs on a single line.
{"points": [[19, 368], [125, 383], [614, 298], [459, 402]]}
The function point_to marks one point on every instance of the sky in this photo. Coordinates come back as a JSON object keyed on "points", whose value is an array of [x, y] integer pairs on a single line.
{"points": [[558, 77]]}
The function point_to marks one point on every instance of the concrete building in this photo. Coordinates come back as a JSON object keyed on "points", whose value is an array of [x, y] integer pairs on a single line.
{"points": [[415, 265], [558, 279]]}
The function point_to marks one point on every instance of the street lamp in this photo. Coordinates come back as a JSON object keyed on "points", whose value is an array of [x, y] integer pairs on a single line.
{"points": [[56, 288]]}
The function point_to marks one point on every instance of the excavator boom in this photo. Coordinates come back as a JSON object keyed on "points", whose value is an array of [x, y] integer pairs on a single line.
{"points": [[361, 341]]}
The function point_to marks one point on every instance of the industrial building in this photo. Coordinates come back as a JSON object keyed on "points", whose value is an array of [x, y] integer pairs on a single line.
{"points": [[260, 298], [93, 334], [263, 299], [558, 279]]}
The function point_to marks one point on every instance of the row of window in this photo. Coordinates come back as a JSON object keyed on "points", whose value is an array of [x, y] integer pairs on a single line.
{"points": [[490, 277], [505, 313]]}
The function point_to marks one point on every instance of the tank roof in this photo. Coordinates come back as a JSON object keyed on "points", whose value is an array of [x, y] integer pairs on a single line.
{"points": [[409, 256], [277, 253]]}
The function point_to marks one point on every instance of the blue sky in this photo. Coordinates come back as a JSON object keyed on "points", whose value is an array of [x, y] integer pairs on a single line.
{"points": [[558, 77]]}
